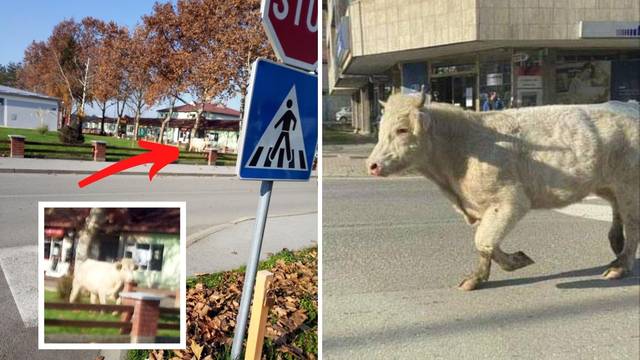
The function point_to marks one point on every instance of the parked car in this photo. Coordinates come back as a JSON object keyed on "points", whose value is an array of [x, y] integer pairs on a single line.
{"points": [[343, 115]]}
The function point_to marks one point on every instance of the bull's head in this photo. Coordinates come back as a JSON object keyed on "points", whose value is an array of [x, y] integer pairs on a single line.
{"points": [[400, 134], [126, 267]]}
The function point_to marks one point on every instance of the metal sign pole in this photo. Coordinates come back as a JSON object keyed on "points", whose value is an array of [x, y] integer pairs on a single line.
{"points": [[252, 268]]}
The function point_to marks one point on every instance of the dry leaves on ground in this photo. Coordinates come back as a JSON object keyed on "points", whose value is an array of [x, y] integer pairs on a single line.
{"points": [[211, 312]]}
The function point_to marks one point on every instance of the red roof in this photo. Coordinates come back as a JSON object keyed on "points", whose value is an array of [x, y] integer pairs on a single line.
{"points": [[210, 108]]}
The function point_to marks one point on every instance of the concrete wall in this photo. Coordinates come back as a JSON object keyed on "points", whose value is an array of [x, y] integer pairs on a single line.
{"points": [[547, 19], [2, 111], [379, 26], [27, 113]]}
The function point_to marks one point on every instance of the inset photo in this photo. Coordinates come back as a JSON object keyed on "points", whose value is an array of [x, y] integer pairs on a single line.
{"points": [[111, 275]]}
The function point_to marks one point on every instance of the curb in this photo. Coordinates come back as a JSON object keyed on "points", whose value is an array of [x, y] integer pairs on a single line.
{"points": [[353, 156], [87, 172], [194, 238]]}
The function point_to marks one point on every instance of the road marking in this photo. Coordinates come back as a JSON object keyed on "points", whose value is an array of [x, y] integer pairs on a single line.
{"points": [[589, 211], [19, 265]]}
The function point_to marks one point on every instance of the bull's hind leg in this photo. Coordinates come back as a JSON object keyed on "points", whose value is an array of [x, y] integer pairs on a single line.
{"points": [[495, 224], [616, 235], [629, 206]]}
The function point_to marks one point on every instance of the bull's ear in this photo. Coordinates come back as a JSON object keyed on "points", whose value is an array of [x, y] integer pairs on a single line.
{"points": [[118, 265], [419, 121]]}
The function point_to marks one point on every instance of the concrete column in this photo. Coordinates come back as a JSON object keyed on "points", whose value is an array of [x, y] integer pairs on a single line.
{"points": [[355, 107], [99, 150], [549, 78], [146, 314], [366, 95], [17, 146]]}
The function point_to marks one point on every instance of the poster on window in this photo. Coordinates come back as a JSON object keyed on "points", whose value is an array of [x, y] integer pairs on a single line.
{"points": [[583, 82]]}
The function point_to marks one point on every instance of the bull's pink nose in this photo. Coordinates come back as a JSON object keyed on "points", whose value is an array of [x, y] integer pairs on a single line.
{"points": [[374, 169]]}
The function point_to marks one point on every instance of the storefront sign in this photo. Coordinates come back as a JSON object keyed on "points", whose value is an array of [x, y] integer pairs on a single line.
{"points": [[343, 43], [520, 57], [494, 79], [529, 82], [609, 29], [468, 94]]}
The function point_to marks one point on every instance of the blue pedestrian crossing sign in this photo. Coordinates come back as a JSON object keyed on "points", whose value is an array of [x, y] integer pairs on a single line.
{"points": [[280, 128]]}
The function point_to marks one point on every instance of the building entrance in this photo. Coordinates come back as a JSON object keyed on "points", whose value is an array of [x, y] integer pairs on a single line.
{"points": [[459, 90]]}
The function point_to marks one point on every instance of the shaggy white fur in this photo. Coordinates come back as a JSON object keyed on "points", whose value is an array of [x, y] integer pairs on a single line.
{"points": [[496, 166]]}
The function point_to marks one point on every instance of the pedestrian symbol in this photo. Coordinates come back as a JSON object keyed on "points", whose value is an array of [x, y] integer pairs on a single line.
{"points": [[282, 144], [280, 127]]}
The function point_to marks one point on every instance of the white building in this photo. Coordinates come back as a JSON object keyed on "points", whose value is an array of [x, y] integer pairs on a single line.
{"points": [[220, 125], [27, 110]]}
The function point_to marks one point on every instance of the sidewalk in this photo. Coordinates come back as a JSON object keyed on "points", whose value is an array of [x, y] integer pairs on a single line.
{"points": [[229, 248], [55, 166], [345, 160]]}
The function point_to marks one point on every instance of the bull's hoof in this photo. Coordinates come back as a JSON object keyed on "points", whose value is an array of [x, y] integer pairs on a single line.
{"points": [[614, 272], [469, 283], [616, 269], [517, 261]]}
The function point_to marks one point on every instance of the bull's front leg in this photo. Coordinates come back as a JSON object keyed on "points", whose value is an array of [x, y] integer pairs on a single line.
{"points": [[495, 224]]}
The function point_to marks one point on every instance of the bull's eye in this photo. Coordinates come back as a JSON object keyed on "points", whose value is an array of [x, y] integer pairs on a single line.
{"points": [[402, 131]]}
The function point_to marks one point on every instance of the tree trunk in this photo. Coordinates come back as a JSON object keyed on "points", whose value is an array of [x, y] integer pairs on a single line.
{"points": [[104, 110], [196, 125], [96, 219], [165, 122], [115, 133], [135, 129]]}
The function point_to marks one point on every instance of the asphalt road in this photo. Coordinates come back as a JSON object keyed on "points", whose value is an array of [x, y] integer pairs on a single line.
{"points": [[210, 201], [393, 252]]}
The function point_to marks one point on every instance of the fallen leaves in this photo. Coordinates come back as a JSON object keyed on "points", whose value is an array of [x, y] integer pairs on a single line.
{"points": [[212, 311]]}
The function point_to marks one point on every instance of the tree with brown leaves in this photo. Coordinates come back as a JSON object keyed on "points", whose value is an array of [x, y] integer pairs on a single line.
{"points": [[208, 46], [63, 65], [109, 87]]}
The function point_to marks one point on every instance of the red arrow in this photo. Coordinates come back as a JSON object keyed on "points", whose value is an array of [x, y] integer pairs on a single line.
{"points": [[160, 155]]}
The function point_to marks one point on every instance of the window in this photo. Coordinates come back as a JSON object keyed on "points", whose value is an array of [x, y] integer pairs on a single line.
{"points": [[14, 117], [157, 251], [1, 101], [142, 256]]}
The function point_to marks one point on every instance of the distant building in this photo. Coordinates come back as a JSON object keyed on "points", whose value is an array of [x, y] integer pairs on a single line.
{"points": [[527, 52], [151, 237], [27, 110], [220, 125]]}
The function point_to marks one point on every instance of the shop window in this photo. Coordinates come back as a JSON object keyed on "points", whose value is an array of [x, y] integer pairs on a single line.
{"points": [[495, 77]]}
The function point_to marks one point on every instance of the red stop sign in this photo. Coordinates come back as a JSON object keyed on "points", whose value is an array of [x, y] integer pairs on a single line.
{"points": [[292, 28]]}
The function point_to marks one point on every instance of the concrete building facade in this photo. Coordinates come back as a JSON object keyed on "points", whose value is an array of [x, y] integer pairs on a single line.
{"points": [[27, 110], [529, 53]]}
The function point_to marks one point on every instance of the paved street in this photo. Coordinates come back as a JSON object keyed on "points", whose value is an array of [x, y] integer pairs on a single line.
{"points": [[211, 203], [394, 251]]}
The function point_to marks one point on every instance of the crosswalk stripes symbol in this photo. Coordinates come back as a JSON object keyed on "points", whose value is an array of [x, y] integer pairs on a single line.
{"points": [[282, 144]]}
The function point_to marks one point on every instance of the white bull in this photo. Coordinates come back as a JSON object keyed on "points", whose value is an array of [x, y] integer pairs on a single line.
{"points": [[496, 166], [101, 279]]}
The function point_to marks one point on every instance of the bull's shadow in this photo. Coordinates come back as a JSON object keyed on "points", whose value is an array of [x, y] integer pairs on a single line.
{"points": [[632, 280], [460, 136]]}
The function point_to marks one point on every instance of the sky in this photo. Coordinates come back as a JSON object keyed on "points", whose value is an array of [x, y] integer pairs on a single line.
{"points": [[24, 21]]}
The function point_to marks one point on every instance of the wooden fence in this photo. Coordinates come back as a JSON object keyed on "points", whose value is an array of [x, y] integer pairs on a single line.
{"points": [[139, 318], [35, 149]]}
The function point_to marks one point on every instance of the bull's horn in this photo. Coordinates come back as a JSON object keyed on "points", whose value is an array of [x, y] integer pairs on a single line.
{"points": [[382, 103], [423, 97]]}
